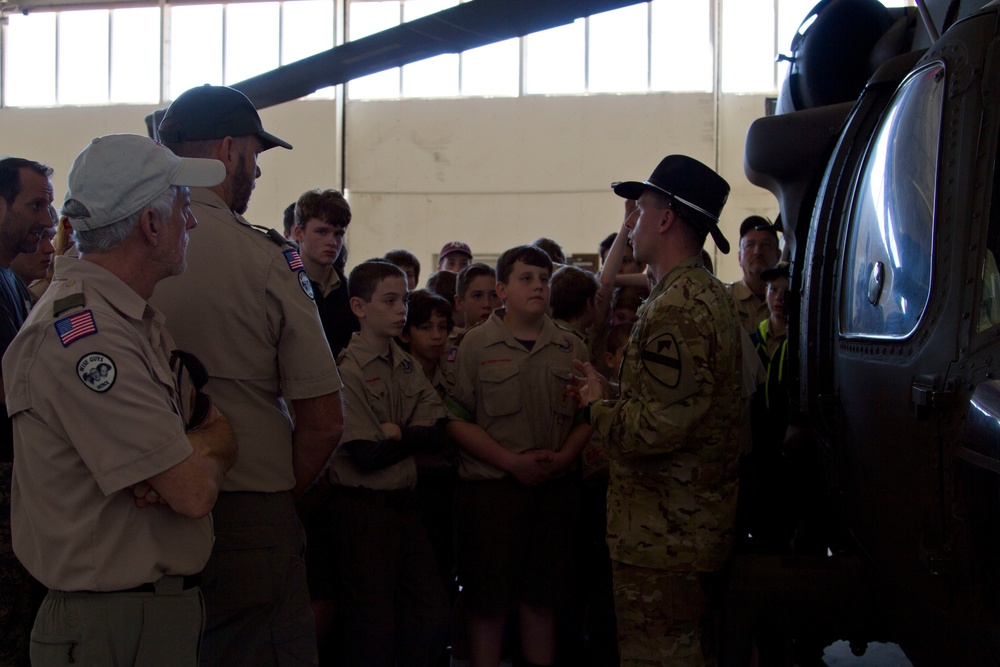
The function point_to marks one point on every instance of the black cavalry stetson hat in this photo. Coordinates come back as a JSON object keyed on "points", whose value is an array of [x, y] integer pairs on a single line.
{"points": [[693, 185]]}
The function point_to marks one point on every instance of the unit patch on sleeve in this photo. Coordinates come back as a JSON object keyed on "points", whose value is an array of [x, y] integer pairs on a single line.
{"points": [[662, 359], [97, 371], [75, 327], [305, 284]]}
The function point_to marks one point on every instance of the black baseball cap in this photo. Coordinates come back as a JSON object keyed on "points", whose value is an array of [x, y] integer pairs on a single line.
{"points": [[693, 185], [782, 269], [213, 112], [758, 223]]}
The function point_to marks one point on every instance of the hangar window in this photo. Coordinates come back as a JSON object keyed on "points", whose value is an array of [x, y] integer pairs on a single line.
{"points": [[151, 52], [887, 260]]}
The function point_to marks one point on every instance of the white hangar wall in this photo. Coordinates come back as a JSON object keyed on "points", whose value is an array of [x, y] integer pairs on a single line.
{"points": [[493, 172]]}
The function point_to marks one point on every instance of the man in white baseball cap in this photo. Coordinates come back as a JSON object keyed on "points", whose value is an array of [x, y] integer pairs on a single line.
{"points": [[117, 461]]}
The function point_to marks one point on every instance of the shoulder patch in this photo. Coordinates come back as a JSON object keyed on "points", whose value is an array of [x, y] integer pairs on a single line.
{"points": [[305, 284], [452, 355], [405, 365], [662, 359], [75, 300], [75, 327], [97, 371], [270, 232], [566, 345], [293, 259]]}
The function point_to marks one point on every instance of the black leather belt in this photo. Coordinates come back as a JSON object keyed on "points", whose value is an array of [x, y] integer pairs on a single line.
{"points": [[187, 582]]}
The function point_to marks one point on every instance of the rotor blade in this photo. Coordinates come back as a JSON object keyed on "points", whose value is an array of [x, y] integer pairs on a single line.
{"points": [[452, 30]]}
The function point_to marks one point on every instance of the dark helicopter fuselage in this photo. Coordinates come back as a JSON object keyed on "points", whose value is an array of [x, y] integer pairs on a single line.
{"points": [[891, 207]]}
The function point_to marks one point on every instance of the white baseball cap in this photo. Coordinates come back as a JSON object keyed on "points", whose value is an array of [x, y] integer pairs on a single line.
{"points": [[119, 174]]}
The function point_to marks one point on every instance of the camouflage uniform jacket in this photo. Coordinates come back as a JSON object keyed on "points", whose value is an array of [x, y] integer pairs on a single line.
{"points": [[673, 433]]}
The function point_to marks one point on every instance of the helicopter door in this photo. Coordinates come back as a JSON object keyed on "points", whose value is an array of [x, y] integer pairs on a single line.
{"points": [[894, 349]]}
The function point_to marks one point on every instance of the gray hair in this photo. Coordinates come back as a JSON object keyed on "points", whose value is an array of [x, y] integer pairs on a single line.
{"points": [[107, 238]]}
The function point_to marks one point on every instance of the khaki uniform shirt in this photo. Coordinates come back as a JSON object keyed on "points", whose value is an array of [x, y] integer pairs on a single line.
{"points": [[750, 307], [449, 361], [518, 397], [380, 390], [331, 283], [96, 410], [443, 381], [673, 433], [244, 307]]}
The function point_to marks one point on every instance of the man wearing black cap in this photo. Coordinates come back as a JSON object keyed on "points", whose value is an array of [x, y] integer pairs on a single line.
{"points": [[245, 308], [759, 252], [673, 431]]}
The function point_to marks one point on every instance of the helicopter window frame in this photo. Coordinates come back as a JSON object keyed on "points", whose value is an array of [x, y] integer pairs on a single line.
{"points": [[887, 269]]}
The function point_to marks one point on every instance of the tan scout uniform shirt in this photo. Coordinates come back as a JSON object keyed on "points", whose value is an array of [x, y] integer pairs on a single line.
{"points": [[380, 390], [518, 397], [244, 310], [673, 434], [449, 362], [95, 413], [750, 307], [332, 283]]}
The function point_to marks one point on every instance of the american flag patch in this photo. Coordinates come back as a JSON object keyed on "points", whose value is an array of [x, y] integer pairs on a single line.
{"points": [[75, 327], [452, 355], [294, 261]]}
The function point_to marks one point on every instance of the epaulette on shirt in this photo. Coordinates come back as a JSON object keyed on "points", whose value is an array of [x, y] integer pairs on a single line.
{"points": [[78, 325], [292, 257], [273, 234]]}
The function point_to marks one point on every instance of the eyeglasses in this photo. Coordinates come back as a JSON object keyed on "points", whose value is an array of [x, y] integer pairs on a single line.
{"points": [[766, 244]]}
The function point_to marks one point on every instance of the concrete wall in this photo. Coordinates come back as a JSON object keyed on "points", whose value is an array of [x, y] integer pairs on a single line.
{"points": [[491, 172]]}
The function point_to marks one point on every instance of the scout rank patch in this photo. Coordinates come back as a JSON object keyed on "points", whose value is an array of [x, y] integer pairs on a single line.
{"points": [[75, 327], [97, 371]]}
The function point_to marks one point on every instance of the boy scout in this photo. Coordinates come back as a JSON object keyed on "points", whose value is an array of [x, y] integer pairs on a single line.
{"points": [[673, 432], [392, 602], [115, 469], [517, 510]]}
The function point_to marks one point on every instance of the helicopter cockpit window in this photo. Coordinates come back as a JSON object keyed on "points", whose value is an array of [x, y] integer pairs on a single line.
{"points": [[887, 261]]}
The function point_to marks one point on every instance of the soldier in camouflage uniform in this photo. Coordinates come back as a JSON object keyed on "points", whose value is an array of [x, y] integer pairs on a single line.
{"points": [[673, 432]]}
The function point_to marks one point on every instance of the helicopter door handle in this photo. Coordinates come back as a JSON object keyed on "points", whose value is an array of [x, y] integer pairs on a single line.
{"points": [[924, 395]]}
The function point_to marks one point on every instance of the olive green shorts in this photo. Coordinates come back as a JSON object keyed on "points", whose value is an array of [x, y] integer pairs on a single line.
{"points": [[118, 628]]}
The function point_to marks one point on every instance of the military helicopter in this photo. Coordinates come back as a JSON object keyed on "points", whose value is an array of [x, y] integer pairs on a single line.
{"points": [[883, 157]]}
